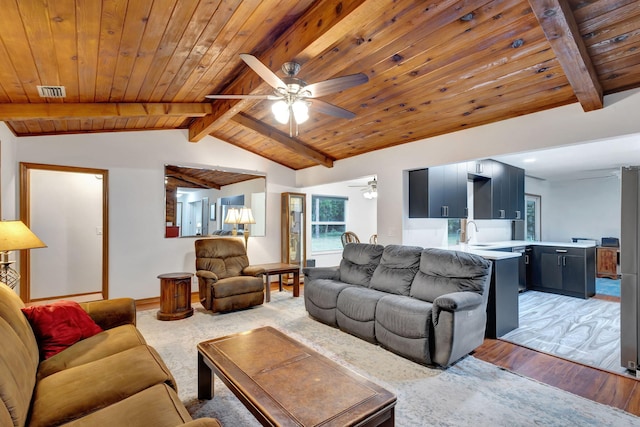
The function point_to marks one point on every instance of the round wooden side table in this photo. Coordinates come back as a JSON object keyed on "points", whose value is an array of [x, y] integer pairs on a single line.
{"points": [[175, 296]]}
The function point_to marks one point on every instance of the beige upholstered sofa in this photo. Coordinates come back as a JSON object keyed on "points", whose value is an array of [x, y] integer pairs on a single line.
{"points": [[109, 379]]}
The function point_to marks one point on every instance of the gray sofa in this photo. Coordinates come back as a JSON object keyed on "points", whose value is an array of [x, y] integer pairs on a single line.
{"points": [[428, 305]]}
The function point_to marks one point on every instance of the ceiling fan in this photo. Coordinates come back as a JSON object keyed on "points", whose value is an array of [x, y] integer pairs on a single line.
{"points": [[370, 190], [293, 95]]}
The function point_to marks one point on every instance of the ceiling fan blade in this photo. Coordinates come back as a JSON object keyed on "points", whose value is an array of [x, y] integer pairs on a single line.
{"points": [[330, 109], [327, 87], [223, 96], [265, 73]]}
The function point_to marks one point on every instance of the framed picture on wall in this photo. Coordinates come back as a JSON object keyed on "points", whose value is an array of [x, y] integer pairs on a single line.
{"points": [[212, 216]]}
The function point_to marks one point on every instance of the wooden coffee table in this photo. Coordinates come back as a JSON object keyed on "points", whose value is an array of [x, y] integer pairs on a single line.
{"points": [[283, 382]]}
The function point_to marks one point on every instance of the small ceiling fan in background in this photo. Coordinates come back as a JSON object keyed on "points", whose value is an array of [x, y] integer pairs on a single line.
{"points": [[370, 190], [294, 96]]}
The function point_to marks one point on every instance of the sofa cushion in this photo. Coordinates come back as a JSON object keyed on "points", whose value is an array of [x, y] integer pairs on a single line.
{"points": [[443, 271], [403, 326], [232, 286], [321, 299], [78, 391], [158, 406], [356, 311], [359, 260], [18, 373], [59, 325], [101, 345], [404, 316], [396, 270], [10, 311]]}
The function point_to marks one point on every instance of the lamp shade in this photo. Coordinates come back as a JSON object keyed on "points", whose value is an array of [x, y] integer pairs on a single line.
{"points": [[233, 215], [246, 217], [15, 235]]}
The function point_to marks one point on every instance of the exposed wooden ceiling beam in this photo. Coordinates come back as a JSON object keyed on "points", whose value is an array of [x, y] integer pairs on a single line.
{"points": [[283, 139], [176, 178], [19, 112], [325, 23], [560, 27]]}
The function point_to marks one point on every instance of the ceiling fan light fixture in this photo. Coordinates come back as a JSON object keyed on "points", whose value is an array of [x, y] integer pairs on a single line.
{"points": [[280, 110], [300, 110], [370, 194]]}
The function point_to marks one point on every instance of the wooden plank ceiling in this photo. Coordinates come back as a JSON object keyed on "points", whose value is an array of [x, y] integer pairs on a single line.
{"points": [[434, 67]]}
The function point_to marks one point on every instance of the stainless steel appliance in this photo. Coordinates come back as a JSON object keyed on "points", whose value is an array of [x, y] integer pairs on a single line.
{"points": [[629, 262]]}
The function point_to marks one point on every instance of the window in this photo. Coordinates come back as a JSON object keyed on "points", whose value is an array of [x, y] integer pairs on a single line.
{"points": [[453, 231], [532, 217], [328, 222]]}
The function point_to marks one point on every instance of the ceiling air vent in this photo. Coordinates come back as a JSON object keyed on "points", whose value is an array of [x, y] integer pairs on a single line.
{"points": [[52, 91]]}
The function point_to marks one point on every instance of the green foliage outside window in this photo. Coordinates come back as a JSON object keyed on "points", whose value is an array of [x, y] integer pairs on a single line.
{"points": [[328, 222]]}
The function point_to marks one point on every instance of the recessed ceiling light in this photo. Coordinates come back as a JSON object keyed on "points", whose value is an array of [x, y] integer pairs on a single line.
{"points": [[529, 160]]}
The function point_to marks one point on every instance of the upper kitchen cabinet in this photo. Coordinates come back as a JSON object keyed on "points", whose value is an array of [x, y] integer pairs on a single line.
{"points": [[479, 168], [438, 192], [502, 195]]}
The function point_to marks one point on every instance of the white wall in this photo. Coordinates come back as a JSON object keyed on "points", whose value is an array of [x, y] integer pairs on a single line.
{"points": [[588, 208], [135, 160], [556, 127], [8, 174]]}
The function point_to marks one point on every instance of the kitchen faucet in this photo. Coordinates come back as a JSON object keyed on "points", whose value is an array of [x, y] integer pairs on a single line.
{"points": [[466, 231]]}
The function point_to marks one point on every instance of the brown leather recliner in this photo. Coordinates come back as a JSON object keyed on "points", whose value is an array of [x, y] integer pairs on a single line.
{"points": [[226, 281]]}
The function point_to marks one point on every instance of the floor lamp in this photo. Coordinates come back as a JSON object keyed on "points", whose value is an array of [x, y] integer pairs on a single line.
{"points": [[14, 236]]}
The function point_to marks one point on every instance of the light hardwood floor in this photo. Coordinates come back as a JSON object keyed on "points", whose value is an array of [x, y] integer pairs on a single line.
{"points": [[620, 391]]}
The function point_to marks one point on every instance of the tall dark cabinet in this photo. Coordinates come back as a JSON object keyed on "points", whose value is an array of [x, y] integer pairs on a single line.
{"points": [[438, 192], [499, 194]]}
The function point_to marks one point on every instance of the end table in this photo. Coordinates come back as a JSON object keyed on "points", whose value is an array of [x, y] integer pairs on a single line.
{"points": [[175, 296]]}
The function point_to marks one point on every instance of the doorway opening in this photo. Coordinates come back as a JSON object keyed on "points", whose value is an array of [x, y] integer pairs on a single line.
{"points": [[68, 208]]}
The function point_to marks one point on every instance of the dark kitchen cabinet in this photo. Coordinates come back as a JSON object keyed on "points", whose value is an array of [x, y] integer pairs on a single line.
{"points": [[502, 306], [564, 270], [516, 193], [502, 195], [479, 168], [528, 263], [438, 192]]}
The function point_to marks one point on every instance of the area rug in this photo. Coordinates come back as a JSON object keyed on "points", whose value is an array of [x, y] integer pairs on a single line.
{"points": [[471, 392], [582, 330], [609, 287]]}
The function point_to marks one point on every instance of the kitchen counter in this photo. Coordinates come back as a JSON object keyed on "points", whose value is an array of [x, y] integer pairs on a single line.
{"points": [[490, 250], [484, 252], [516, 243]]}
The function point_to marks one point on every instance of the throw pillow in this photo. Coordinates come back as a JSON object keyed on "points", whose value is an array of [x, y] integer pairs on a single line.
{"points": [[59, 325]]}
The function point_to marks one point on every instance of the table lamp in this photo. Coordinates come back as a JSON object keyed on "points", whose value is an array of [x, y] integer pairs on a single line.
{"points": [[14, 236], [246, 217], [233, 215]]}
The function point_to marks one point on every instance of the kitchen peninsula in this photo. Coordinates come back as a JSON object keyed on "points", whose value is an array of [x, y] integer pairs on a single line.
{"points": [[556, 267]]}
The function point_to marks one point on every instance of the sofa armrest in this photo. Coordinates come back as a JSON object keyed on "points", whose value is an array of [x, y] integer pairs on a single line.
{"points": [[458, 301], [311, 273], [253, 271], [203, 422], [206, 274], [111, 313], [459, 321], [455, 301]]}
